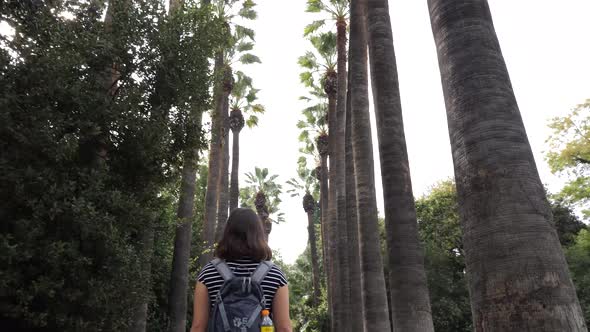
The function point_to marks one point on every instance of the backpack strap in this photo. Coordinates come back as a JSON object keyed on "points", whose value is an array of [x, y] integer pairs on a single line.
{"points": [[261, 271], [223, 269]]}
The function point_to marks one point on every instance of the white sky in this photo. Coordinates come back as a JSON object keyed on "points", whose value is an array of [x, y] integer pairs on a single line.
{"points": [[545, 45]]}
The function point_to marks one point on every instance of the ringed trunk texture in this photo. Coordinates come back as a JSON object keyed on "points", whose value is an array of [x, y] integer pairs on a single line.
{"points": [[330, 226], [314, 258], [337, 174], [518, 276], [410, 302], [211, 194], [223, 199], [356, 295], [234, 192], [375, 312], [323, 219], [177, 297]]}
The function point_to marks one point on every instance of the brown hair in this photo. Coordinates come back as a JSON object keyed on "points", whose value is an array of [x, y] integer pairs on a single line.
{"points": [[243, 237]]}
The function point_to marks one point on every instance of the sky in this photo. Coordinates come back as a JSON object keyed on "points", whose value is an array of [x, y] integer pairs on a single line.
{"points": [[545, 46]]}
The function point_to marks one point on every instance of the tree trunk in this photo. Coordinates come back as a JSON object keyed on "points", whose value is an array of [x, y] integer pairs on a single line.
{"points": [[223, 199], [356, 295], [177, 297], [410, 301], [375, 312], [313, 248], [211, 194], [323, 220], [234, 192], [518, 276], [330, 225]]}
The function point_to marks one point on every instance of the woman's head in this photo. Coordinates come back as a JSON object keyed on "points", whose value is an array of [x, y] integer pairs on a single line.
{"points": [[243, 237]]}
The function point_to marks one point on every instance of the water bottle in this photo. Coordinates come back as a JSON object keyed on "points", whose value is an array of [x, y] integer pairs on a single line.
{"points": [[266, 325]]}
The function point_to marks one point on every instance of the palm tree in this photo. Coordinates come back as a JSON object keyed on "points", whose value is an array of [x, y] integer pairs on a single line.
{"points": [[309, 205], [239, 42], [263, 193], [410, 301], [518, 276], [356, 295], [242, 101], [338, 11], [375, 312]]}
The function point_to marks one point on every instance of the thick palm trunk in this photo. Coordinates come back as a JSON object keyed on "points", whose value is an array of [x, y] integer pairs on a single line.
{"points": [[375, 313], [356, 295], [211, 194], [518, 277], [177, 297], [341, 267], [410, 301], [234, 192], [223, 199], [330, 222]]}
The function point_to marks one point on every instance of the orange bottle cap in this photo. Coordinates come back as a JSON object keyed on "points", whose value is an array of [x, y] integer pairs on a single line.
{"points": [[265, 312]]}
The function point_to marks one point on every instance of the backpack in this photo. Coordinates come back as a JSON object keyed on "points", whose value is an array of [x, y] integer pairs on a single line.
{"points": [[239, 301]]}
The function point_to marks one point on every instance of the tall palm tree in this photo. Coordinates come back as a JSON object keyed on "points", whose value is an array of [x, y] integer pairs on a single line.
{"points": [[263, 193], [338, 11], [307, 185], [375, 312], [410, 301], [242, 101], [518, 276], [356, 295], [240, 37]]}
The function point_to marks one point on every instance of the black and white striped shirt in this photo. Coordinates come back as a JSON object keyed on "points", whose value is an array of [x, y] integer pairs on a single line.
{"points": [[275, 279]]}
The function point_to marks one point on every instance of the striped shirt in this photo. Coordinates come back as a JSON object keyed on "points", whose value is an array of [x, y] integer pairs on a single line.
{"points": [[275, 279]]}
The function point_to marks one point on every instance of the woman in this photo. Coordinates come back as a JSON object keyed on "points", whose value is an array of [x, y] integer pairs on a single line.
{"points": [[242, 247]]}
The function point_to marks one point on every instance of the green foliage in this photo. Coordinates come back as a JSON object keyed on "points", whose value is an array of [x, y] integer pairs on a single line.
{"points": [[578, 258], [261, 181], [569, 154], [440, 232], [304, 315], [243, 96], [86, 168]]}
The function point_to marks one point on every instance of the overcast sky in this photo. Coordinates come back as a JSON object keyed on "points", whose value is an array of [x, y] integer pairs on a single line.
{"points": [[545, 45]]}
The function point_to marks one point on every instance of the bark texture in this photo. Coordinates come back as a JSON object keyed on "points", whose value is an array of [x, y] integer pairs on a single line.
{"points": [[177, 297], [236, 125], [355, 295], [211, 194], [223, 191], [410, 302], [375, 312], [518, 277], [309, 205]]}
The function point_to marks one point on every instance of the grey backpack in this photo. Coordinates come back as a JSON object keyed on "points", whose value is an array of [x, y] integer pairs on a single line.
{"points": [[239, 301]]}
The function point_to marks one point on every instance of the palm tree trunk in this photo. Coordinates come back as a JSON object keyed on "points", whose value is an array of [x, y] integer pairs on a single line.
{"points": [[337, 177], [314, 255], [323, 221], [223, 199], [410, 301], [177, 297], [234, 192], [375, 312], [356, 295], [330, 222], [518, 276], [211, 193]]}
